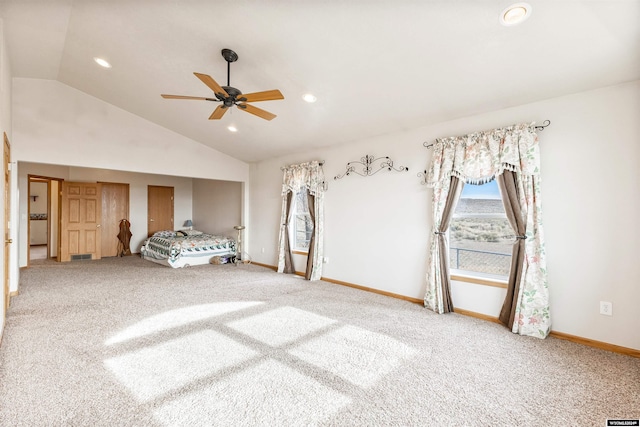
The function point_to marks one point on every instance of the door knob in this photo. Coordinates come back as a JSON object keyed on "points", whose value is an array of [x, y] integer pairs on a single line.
{"points": [[97, 225], [8, 241], [151, 220]]}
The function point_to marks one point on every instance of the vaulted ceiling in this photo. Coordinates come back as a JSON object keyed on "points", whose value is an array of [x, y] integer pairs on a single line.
{"points": [[376, 67]]}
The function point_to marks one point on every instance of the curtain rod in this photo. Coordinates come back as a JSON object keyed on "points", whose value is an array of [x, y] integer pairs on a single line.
{"points": [[321, 163], [541, 127]]}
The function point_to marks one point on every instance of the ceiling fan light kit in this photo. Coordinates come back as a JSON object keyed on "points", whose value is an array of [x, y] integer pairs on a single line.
{"points": [[230, 96]]}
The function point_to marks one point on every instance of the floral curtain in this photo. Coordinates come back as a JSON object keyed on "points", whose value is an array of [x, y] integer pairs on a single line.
{"points": [[309, 176], [478, 158]]}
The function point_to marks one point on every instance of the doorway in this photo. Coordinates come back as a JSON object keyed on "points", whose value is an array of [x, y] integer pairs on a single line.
{"points": [[43, 211], [39, 217]]}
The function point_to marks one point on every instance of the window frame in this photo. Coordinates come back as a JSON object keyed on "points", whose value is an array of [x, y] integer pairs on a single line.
{"points": [[293, 224], [477, 277]]}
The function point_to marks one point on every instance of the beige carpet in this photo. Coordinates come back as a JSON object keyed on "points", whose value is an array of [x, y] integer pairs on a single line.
{"points": [[125, 342]]}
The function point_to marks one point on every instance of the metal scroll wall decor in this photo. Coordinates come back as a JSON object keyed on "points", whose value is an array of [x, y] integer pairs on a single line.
{"points": [[370, 166]]}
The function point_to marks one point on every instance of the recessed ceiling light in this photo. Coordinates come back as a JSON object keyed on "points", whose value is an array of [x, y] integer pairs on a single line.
{"points": [[102, 62], [309, 97], [515, 14], [232, 128]]}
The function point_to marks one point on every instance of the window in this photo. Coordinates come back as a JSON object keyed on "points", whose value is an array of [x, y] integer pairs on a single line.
{"points": [[301, 225], [480, 236]]}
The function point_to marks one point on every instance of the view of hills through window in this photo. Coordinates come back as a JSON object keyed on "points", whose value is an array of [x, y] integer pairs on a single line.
{"points": [[480, 237], [302, 226]]}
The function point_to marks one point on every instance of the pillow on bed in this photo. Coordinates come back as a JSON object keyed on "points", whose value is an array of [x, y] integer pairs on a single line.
{"points": [[191, 232], [164, 233]]}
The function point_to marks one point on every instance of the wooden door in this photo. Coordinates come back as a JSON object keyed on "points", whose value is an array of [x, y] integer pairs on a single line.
{"points": [[115, 208], [7, 216], [80, 217], [160, 209]]}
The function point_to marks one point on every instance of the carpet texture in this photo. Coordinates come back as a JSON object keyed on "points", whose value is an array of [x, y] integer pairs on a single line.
{"points": [[125, 342]]}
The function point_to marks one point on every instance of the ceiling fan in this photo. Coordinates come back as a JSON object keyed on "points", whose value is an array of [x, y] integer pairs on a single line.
{"points": [[230, 96]]}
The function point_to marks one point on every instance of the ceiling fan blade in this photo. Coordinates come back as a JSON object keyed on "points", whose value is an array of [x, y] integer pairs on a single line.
{"points": [[257, 111], [213, 85], [218, 112], [267, 95], [185, 97]]}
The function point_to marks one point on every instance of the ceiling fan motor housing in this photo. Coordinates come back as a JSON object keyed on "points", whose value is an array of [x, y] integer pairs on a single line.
{"points": [[233, 95]]}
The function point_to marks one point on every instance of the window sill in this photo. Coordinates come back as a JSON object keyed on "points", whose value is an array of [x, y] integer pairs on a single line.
{"points": [[486, 281], [305, 253]]}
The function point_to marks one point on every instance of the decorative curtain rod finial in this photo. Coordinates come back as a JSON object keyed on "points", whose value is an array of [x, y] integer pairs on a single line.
{"points": [[543, 125], [423, 176]]}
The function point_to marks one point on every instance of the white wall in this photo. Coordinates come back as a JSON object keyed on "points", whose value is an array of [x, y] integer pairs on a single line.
{"points": [[217, 206], [56, 124], [40, 204], [23, 170], [377, 228]]}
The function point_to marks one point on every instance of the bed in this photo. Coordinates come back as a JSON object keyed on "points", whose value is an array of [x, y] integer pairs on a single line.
{"points": [[187, 248]]}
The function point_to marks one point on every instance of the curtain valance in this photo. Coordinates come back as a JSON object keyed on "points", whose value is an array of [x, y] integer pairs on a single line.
{"points": [[304, 175], [478, 157]]}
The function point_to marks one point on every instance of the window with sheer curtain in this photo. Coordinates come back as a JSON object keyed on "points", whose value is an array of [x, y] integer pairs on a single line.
{"points": [[301, 226], [480, 236], [303, 187]]}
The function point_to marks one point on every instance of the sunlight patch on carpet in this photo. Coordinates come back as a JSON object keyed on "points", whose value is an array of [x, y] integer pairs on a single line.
{"points": [[178, 317], [281, 325], [153, 371], [269, 394], [359, 356]]}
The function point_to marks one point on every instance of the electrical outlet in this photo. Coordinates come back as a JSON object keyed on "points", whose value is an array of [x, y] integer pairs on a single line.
{"points": [[606, 308], [326, 260], [262, 250]]}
